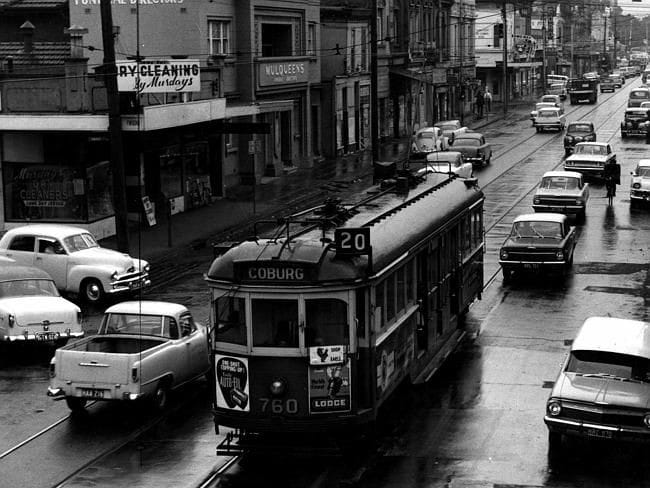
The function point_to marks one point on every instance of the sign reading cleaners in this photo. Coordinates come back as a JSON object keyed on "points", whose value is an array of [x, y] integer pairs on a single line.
{"points": [[160, 76], [329, 388], [232, 383]]}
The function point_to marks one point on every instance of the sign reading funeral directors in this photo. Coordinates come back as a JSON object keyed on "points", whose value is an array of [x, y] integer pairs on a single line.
{"points": [[159, 76]]}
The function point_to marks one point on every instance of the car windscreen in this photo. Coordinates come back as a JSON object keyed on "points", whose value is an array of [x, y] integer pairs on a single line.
{"points": [[548, 100], [643, 172], [548, 113], [23, 288], [605, 364], [78, 242], [559, 183], [579, 128], [589, 149], [125, 323], [639, 94], [538, 229]]}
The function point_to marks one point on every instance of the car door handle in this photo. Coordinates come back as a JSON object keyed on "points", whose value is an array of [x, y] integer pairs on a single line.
{"points": [[38, 258]]}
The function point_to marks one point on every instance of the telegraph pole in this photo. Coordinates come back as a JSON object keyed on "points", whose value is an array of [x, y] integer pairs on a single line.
{"points": [[374, 102], [460, 75], [114, 128], [543, 48], [505, 59]]}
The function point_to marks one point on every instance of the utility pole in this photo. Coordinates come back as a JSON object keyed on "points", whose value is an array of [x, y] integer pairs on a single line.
{"points": [[460, 76], [505, 58], [543, 48], [604, 39], [374, 102], [114, 128], [615, 40]]}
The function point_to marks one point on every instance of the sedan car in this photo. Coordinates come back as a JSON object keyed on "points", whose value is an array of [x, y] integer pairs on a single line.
{"points": [[640, 184], [603, 389], [550, 98], [549, 118], [580, 131], [31, 308], [618, 79], [428, 139], [538, 242], [558, 89], [635, 122], [607, 85], [563, 192], [74, 259], [474, 147], [451, 128], [446, 162], [590, 158], [538, 106]]}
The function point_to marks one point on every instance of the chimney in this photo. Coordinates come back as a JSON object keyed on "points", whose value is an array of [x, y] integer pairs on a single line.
{"points": [[76, 34], [28, 36]]}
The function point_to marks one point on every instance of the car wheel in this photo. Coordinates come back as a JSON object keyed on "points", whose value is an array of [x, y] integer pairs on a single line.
{"points": [[92, 290], [507, 276], [537, 129], [160, 398], [554, 445], [76, 405]]}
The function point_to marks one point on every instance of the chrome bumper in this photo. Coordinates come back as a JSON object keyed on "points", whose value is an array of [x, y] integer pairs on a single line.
{"points": [[43, 336], [129, 284], [585, 429]]}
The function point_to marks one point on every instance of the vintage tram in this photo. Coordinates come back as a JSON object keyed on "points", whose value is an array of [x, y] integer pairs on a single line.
{"points": [[315, 326]]}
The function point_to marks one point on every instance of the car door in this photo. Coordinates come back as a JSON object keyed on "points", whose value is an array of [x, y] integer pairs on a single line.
{"points": [[21, 249], [52, 258], [196, 346]]}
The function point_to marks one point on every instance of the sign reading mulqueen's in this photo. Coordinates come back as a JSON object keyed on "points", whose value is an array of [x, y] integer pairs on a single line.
{"points": [[159, 76]]}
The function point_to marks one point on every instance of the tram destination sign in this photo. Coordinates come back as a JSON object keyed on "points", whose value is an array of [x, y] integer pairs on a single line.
{"points": [[275, 272]]}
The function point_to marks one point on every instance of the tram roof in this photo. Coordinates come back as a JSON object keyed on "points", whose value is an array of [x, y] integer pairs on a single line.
{"points": [[397, 223]]}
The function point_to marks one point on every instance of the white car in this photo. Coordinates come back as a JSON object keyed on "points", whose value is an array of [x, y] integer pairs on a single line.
{"points": [[31, 308], [538, 106], [428, 139], [640, 184], [72, 257], [447, 162], [549, 118]]}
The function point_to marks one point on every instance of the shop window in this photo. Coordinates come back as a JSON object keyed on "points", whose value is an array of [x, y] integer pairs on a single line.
{"points": [[277, 40], [219, 37], [171, 170], [99, 189]]}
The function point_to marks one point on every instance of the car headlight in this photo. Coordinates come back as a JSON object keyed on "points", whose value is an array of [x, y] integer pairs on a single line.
{"points": [[146, 268], [569, 138], [114, 275], [646, 420], [536, 200], [554, 408], [559, 255], [636, 186], [503, 254]]}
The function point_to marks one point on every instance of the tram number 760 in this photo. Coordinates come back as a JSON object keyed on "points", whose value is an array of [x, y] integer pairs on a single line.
{"points": [[352, 241], [278, 405]]}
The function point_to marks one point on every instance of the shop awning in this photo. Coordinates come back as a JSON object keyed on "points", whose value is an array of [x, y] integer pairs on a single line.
{"points": [[255, 108]]}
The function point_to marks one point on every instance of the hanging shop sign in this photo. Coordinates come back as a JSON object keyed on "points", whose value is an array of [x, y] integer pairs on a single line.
{"points": [[288, 72], [160, 76]]}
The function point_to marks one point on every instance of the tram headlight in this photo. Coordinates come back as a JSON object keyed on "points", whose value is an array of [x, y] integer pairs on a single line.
{"points": [[554, 408], [277, 387]]}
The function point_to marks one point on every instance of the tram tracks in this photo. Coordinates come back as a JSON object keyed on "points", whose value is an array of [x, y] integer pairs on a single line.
{"points": [[529, 190]]}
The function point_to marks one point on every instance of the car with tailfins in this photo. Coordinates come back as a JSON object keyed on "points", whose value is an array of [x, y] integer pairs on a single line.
{"points": [[564, 192], [474, 148], [579, 131], [451, 128], [602, 392], [74, 259], [538, 243], [640, 183], [590, 158], [443, 162], [32, 310]]}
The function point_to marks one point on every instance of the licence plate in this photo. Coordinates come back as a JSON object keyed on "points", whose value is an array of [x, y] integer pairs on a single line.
{"points": [[531, 266], [47, 336], [557, 209], [92, 393], [135, 285], [603, 434]]}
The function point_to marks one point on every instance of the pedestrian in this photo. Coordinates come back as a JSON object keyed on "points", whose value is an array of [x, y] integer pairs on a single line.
{"points": [[479, 103], [487, 97], [612, 177]]}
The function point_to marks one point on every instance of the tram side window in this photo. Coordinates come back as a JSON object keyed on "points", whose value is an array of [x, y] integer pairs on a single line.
{"points": [[275, 323], [379, 303], [231, 320], [326, 322], [390, 298], [401, 289]]}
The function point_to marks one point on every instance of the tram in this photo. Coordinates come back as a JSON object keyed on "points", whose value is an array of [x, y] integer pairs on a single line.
{"points": [[315, 326]]}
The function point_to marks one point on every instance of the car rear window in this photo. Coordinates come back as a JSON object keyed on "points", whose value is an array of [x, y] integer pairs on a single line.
{"points": [[460, 141], [639, 94], [559, 183], [579, 128]]}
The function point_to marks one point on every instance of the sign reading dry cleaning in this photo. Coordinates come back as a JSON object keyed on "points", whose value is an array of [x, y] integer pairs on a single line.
{"points": [[160, 76]]}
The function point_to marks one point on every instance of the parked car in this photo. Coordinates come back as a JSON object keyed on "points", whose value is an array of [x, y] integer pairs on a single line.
{"points": [[428, 139], [549, 118], [607, 84], [635, 122], [603, 389], [640, 183], [551, 79], [451, 128], [538, 242], [445, 162], [580, 131], [143, 349], [72, 257], [474, 147], [564, 192], [637, 96], [558, 89], [590, 158], [538, 106], [32, 310], [549, 98], [618, 79]]}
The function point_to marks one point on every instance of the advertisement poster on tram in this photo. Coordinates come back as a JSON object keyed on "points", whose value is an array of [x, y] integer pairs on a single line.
{"points": [[329, 388], [231, 374]]}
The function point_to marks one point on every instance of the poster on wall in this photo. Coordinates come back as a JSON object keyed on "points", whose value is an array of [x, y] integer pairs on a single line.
{"points": [[329, 388], [231, 375]]}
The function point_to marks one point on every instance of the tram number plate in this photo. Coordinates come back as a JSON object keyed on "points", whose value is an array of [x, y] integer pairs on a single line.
{"points": [[604, 434], [279, 406], [352, 241], [92, 393]]}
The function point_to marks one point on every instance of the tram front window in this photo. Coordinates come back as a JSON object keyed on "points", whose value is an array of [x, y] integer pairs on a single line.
{"points": [[275, 323], [231, 320], [327, 322]]}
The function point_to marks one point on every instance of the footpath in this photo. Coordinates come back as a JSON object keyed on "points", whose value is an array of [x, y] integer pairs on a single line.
{"points": [[192, 233]]}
